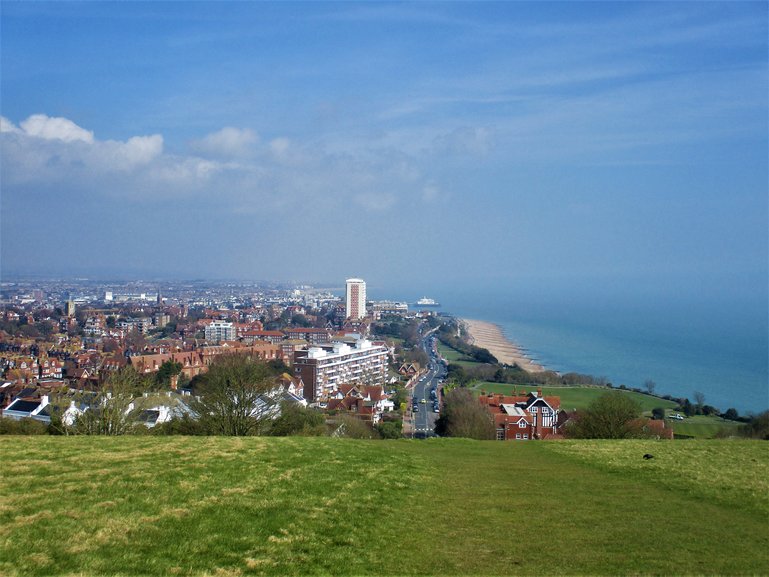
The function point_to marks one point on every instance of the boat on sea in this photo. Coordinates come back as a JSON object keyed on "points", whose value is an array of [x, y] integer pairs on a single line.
{"points": [[426, 302]]}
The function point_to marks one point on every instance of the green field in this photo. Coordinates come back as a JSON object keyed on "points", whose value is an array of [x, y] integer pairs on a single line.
{"points": [[452, 355], [320, 506], [577, 397], [703, 427]]}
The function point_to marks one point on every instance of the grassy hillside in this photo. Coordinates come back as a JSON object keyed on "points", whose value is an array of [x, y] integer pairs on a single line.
{"points": [[576, 397], [294, 506]]}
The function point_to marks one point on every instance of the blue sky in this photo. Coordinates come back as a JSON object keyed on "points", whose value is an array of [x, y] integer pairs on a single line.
{"points": [[595, 144]]}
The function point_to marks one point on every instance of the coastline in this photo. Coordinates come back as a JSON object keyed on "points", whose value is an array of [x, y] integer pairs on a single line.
{"points": [[490, 336]]}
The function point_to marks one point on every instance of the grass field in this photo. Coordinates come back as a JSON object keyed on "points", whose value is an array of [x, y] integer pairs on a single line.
{"points": [[452, 355], [577, 397], [703, 427], [320, 506]]}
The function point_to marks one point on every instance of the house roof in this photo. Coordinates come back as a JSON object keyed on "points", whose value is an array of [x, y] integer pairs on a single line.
{"points": [[23, 406]]}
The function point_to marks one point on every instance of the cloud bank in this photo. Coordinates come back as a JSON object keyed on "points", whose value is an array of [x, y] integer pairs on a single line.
{"points": [[232, 167]]}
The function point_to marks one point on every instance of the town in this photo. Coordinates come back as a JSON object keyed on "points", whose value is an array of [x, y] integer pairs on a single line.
{"points": [[62, 343], [63, 346]]}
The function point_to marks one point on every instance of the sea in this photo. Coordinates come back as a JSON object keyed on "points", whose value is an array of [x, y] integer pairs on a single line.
{"points": [[718, 347]]}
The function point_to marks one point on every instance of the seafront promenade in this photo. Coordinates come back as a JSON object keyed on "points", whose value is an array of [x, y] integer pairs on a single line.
{"points": [[490, 336]]}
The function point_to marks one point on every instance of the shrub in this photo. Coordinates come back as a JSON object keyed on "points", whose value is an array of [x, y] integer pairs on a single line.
{"points": [[610, 416], [25, 426]]}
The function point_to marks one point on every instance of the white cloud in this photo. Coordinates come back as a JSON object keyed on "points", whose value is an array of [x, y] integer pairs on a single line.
{"points": [[55, 128], [56, 150], [227, 142], [277, 176], [8, 126]]}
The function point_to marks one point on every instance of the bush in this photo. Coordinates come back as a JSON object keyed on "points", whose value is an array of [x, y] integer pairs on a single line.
{"points": [[658, 413], [351, 427], [610, 416], [464, 416], [25, 426], [757, 427], [295, 419], [184, 425], [390, 429]]}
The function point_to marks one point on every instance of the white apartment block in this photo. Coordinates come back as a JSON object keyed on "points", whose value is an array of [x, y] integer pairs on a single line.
{"points": [[323, 369], [219, 331]]}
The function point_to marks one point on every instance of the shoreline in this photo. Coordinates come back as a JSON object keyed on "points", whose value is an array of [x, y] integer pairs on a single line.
{"points": [[489, 336]]}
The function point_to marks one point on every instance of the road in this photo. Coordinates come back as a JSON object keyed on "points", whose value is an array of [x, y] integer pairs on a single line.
{"points": [[426, 392]]}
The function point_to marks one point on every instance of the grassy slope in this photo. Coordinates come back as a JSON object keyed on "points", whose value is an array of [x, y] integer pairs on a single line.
{"points": [[703, 427], [452, 355], [327, 506], [578, 397]]}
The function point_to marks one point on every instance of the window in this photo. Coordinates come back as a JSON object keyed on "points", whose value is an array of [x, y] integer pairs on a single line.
{"points": [[545, 411], [525, 436], [517, 435], [533, 409], [500, 434], [522, 424]]}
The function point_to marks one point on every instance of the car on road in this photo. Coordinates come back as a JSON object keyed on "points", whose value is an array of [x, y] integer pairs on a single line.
{"points": [[423, 401]]}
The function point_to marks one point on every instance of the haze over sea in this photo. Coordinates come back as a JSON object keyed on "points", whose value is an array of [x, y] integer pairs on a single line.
{"points": [[715, 345]]}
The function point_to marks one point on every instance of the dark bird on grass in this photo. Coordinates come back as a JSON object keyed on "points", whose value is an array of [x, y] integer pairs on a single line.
{"points": [[647, 456]]}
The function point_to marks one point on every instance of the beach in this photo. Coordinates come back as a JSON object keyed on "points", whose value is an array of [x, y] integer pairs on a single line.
{"points": [[490, 336]]}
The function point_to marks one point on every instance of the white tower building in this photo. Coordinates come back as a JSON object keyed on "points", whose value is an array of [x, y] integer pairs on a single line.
{"points": [[355, 305]]}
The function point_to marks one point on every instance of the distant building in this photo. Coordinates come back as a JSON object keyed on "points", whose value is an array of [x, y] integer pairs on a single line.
{"points": [[324, 369], [355, 303], [381, 308], [312, 335], [218, 331], [141, 324]]}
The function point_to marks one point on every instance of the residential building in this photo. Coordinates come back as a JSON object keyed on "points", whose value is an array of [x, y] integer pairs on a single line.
{"points": [[312, 335], [324, 369], [197, 361], [218, 331], [355, 302], [523, 417], [366, 402]]}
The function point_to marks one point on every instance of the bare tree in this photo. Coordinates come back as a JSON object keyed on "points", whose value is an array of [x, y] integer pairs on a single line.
{"points": [[234, 396], [111, 412], [699, 398], [650, 385]]}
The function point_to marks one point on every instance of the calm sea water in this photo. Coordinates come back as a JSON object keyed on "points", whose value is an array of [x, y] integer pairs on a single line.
{"points": [[717, 347]]}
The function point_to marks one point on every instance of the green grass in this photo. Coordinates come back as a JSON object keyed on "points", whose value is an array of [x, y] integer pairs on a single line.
{"points": [[452, 355], [319, 506], [703, 427], [732, 472], [577, 397]]}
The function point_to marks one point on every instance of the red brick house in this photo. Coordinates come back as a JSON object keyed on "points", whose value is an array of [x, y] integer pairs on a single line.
{"points": [[366, 402], [523, 417]]}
